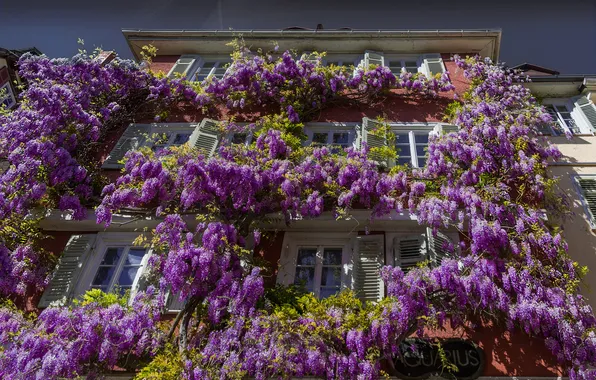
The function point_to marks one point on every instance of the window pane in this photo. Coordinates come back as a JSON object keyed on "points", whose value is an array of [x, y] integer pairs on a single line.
{"points": [[332, 256], [421, 150], [341, 138], [135, 255], [181, 138], [204, 71], [331, 277], [319, 138], [404, 160], [326, 292], [103, 277], [421, 162], [127, 276], [239, 138], [307, 256], [403, 150], [421, 138], [112, 256], [402, 138], [306, 277]]}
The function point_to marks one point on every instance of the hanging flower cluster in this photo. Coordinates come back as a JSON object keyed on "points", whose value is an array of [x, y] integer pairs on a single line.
{"points": [[488, 180]]}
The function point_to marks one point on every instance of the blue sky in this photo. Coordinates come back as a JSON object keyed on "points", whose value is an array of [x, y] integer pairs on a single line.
{"points": [[559, 35]]}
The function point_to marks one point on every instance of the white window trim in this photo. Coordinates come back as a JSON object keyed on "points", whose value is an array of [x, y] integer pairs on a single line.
{"points": [[403, 59], [96, 255], [330, 128], [220, 61], [576, 114], [580, 192], [289, 254], [6, 92], [412, 129], [168, 128]]}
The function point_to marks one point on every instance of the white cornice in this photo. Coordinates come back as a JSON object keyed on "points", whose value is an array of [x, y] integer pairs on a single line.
{"points": [[485, 42]]}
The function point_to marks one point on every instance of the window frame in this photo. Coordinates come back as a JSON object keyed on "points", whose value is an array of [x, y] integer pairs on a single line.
{"points": [[168, 128], [330, 128], [403, 59], [294, 241], [574, 112], [219, 62], [93, 260], [9, 95], [413, 130]]}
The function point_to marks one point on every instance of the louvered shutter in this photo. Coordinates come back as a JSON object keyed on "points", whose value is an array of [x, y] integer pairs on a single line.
{"points": [[133, 138], [66, 275], [206, 137], [369, 259], [4, 165], [433, 64], [373, 58], [588, 186], [174, 303], [409, 250], [182, 67], [585, 105], [375, 140], [437, 246]]}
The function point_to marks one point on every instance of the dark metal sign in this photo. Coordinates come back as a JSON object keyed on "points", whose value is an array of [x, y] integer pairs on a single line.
{"points": [[420, 359]]}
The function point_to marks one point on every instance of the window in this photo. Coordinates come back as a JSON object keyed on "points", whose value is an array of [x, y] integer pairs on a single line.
{"points": [[171, 138], [106, 261], [319, 269], [212, 68], [337, 136], [399, 65], [575, 116], [587, 187], [411, 145], [6, 96], [562, 117], [119, 268], [204, 136]]}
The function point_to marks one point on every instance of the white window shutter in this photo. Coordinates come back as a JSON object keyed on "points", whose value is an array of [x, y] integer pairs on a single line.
{"points": [[373, 140], [588, 186], [61, 287], [133, 138], [373, 58], [182, 66], [174, 304], [436, 246], [585, 105], [409, 250], [206, 137], [433, 64], [369, 259]]}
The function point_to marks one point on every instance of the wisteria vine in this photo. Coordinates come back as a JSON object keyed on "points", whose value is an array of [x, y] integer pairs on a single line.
{"points": [[489, 180]]}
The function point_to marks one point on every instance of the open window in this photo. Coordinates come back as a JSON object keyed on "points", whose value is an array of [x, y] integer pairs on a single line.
{"points": [[587, 192], [205, 136], [337, 136]]}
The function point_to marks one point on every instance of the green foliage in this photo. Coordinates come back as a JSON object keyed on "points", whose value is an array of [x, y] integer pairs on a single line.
{"points": [[166, 365], [102, 299], [451, 110], [148, 52]]}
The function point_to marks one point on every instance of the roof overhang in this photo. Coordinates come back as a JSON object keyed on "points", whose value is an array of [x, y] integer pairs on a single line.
{"points": [[485, 42], [561, 86]]}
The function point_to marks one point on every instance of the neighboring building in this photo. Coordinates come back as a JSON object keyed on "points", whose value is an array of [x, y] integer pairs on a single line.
{"points": [[9, 78], [570, 99], [327, 254]]}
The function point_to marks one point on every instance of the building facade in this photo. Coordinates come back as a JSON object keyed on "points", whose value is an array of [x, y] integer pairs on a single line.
{"points": [[326, 254]]}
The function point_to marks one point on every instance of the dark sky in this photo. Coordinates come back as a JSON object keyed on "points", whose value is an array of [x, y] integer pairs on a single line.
{"points": [[555, 34]]}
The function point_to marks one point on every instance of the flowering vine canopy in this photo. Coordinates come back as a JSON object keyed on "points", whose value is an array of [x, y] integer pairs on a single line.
{"points": [[488, 180]]}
